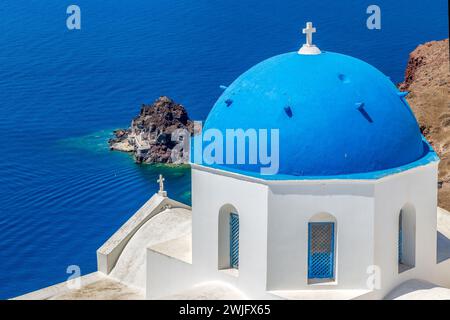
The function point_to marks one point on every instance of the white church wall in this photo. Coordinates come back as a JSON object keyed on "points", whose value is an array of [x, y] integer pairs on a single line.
{"points": [[291, 207], [442, 276], [166, 275], [415, 189], [210, 193], [274, 217]]}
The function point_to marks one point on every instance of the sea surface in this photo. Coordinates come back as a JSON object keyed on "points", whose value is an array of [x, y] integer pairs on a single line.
{"points": [[62, 92]]}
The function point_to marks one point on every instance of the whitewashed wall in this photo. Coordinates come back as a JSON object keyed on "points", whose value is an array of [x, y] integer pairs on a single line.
{"points": [[291, 206], [210, 192], [415, 188], [274, 218]]}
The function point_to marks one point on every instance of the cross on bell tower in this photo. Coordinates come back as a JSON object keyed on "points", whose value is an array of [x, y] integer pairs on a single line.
{"points": [[309, 48], [161, 191]]}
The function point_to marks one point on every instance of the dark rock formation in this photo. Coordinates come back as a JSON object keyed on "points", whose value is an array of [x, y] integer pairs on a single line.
{"points": [[149, 137]]}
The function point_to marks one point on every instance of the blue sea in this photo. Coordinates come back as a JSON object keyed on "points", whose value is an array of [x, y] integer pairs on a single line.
{"points": [[62, 92]]}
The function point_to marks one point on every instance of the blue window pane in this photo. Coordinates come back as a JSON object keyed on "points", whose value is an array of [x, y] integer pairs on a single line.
{"points": [[321, 250], [234, 240]]}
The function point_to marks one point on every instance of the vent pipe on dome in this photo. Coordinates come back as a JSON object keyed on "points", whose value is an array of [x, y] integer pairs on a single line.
{"points": [[360, 106], [288, 111]]}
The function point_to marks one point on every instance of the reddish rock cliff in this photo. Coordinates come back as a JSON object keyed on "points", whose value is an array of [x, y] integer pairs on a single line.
{"points": [[428, 79]]}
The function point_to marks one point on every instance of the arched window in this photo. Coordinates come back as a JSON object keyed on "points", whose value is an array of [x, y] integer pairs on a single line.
{"points": [[228, 238], [406, 238], [321, 248]]}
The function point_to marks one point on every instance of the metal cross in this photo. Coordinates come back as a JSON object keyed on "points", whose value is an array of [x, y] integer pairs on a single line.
{"points": [[161, 183]]}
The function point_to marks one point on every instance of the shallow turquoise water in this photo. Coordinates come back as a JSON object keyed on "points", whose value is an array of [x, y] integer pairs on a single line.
{"points": [[63, 193]]}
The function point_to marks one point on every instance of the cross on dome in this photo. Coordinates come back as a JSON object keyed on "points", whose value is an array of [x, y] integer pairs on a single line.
{"points": [[309, 30], [308, 48]]}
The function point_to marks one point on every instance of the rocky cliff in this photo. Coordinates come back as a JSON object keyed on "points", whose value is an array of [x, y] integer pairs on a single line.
{"points": [[428, 80], [150, 137]]}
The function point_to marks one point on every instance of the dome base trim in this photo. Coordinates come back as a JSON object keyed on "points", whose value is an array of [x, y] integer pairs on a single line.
{"points": [[309, 50]]}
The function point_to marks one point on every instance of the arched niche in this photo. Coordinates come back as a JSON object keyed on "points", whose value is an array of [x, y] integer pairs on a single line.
{"points": [[406, 245], [228, 237]]}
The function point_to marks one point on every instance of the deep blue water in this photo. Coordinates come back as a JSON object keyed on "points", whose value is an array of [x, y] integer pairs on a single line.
{"points": [[62, 92]]}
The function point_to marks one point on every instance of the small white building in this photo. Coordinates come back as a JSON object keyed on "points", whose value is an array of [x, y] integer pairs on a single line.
{"points": [[350, 214]]}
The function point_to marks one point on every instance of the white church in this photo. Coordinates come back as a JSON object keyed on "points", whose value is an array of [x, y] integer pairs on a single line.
{"points": [[351, 213]]}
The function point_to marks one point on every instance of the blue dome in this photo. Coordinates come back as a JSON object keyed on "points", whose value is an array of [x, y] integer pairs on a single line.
{"points": [[336, 115]]}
